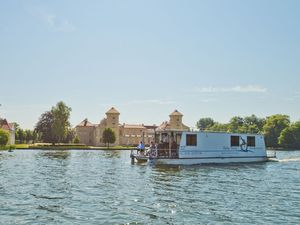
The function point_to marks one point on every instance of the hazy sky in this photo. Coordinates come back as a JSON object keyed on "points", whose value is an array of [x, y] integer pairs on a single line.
{"points": [[147, 58]]}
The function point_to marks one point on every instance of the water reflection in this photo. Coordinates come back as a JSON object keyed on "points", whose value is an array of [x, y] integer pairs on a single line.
{"points": [[111, 154], [55, 154], [51, 188]]}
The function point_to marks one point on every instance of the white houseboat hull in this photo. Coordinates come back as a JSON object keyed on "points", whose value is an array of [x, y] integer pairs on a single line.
{"points": [[197, 161]]}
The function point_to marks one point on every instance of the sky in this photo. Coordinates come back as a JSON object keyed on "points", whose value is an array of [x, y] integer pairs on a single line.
{"points": [[211, 58]]}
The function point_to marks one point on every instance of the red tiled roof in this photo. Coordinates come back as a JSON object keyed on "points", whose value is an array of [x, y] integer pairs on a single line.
{"points": [[85, 123], [5, 125]]}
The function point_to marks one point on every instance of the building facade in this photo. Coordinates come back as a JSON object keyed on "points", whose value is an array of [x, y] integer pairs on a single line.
{"points": [[126, 134], [10, 128]]}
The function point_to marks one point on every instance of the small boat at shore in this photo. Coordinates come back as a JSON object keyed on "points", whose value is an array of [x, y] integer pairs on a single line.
{"points": [[190, 148]]}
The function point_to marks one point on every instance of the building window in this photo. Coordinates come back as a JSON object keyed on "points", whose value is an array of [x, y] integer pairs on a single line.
{"points": [[191, 140], [235, 141], [251, 141]]}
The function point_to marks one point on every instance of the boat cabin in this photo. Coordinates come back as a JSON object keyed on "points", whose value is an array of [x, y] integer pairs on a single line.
{"points": [[178, 144]]}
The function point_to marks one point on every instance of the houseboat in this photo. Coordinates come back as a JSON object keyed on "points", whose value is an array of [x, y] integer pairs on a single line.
{"points": [[190, 148]]}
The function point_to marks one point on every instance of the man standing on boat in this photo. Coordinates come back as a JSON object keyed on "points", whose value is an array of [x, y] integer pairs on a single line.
{"points": [[141, 148]]}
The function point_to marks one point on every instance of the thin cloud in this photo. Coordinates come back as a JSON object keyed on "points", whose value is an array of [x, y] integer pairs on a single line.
{"points": [[141, 102], [51, 20], [153, 101], [235, 89], [57, 24]]}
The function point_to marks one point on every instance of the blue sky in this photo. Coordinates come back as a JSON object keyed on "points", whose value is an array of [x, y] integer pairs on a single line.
{"points": [[211, 58]]}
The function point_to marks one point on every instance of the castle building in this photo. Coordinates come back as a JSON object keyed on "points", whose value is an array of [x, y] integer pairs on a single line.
{"points": [[126, 134]]}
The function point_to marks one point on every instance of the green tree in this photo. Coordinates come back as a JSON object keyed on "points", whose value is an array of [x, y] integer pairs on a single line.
{"points": [[108, 136], [4, 137], [20, 135], [70, 136], [76, 140], [53, 126], [61, 115], [28, 136], [219, 127], [290, 136], [235, 124], [273, 127], [254, 123], [34, 136], [205, 123]]}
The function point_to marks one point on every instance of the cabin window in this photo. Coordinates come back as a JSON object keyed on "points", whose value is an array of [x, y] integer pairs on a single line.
{"points": [[235, 141], [191, 140], [251, 141]]}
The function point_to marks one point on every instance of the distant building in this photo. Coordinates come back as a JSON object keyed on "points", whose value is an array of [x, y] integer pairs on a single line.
{"points": [[126, 134], [10, 128]]}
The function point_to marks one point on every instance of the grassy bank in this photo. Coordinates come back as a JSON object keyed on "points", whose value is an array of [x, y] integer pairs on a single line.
{"points": [[7, 147], [41, 146]]}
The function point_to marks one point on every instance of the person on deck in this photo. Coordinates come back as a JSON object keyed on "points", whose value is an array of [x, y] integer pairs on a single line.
{"points": [[141, 148]]}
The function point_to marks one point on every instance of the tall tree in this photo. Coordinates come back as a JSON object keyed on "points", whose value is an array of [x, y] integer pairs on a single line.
{"points": [[108, 136], [44, 127], [290, 136], [29, 136], [254, 121], [205, 123], [273, 127], [61, 115], [235, 125], [20, 135]]}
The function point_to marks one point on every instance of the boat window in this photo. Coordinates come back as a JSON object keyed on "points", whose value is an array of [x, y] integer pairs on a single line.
{"points": [[191, 140], [235, 141], [251, 141]]}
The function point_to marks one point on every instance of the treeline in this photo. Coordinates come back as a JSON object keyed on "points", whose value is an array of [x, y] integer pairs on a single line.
{"points": [[25, 136], [278, 129], [53, 127]]}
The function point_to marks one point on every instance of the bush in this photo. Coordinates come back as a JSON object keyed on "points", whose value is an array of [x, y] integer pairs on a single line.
{"points": [[4, 137], [76, 140]]}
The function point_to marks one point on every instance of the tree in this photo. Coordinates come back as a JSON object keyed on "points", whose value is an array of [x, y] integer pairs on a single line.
{"points": [[108, 136], [290, 136], [34, 136], [4, 137], [76, 140], [20, 136], [235, 125], [205, 123], [273, 127], [44, 127], [61, 114], [53, 126], [219, 127], [254, 121], [70, 136]]}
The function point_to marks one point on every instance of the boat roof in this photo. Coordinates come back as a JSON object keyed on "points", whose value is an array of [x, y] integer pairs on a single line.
{"points": [[221, 132]]}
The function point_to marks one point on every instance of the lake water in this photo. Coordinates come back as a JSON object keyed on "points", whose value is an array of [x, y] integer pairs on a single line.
{"points": [[103, 187]]}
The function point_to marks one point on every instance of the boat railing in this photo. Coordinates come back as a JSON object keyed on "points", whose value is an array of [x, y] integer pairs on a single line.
{"points": [[163, 153], [156, 153]]}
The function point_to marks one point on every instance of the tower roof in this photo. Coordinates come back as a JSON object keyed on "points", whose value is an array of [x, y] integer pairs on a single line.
{"points": [[113, 111], [176, 113]]}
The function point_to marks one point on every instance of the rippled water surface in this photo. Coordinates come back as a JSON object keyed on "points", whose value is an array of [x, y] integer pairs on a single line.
{"points": [[103, 187]]}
